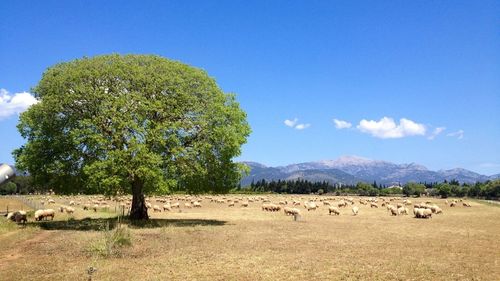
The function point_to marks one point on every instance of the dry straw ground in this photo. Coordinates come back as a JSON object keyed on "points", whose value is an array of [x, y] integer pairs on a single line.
{"points": [[217, 242]]}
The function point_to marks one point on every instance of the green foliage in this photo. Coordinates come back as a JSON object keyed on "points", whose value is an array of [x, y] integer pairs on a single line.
{"points": [[492, 189], [365, 189], [390, 191], [444, 190], [413, 188], [8, 188], [109, 123]]}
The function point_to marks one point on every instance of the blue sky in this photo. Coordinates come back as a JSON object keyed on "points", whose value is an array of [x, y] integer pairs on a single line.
{"points": [[426, 66]]}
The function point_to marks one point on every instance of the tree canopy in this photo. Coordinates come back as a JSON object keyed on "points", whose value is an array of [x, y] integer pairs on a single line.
{"points": [[135, 123]]}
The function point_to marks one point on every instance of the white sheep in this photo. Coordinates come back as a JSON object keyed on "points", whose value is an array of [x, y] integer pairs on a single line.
{"points": [[355, 210], [43, 214], [334, 210], [402, 210], [311, 206], [156, 208], [393, 210]]}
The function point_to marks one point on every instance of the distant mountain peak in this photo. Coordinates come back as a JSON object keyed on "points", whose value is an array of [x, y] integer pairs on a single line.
{"points": [[351, 169], [254, 164]]}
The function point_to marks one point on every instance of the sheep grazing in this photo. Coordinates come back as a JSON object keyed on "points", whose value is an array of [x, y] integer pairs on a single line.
{"points": [[156, 208], [326, 203], [166, 207], [466, 204], [148, 205], [44, 214], [311, 206], [334, 210], [453, 204], [294, 212], [196, 204], [70, 210], [355, 210], [86, 206], [422, 213], [434, 208], [244, 204], [95, 207], [18, 216], [402, 210], [176, 205], [342, 203], [51, 201], [287, 210], [373, 205], [71, 203], [231, 204], [187, 205], [393, 210], [270, 207], [427, 213]]}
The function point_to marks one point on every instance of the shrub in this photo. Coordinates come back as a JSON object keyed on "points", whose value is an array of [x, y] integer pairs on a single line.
{"points": [[112, 241]]}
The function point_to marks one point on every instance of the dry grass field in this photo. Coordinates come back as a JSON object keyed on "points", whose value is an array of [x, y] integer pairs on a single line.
{"points": [[217, 242]]}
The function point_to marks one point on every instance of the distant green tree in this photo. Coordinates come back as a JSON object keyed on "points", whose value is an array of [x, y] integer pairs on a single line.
{"points": [[444, 190], [8, 188], [491, 189], [412, 188]]}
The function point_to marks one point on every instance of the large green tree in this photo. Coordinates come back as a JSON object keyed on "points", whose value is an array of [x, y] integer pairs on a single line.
{"points": [[131, 124]]}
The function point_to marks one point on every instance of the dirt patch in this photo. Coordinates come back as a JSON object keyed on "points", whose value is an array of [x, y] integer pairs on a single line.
{"points": [[18, 250]]}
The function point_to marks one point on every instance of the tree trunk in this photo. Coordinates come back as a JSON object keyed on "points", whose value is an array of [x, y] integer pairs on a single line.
{"points": [[139, 210]]}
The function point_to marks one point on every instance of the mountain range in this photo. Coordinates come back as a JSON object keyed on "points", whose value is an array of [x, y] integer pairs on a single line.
{"points": [[353, 169]]}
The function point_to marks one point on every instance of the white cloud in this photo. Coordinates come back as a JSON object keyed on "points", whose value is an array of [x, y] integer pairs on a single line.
{"points": [[341, 124], [14, 104], [436, 132], [302, 126], [291, 123], [386, 128], [294, 124], [459, 134]]}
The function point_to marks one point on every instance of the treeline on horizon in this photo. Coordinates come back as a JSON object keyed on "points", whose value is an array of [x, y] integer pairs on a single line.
{"points": [[489, 189], [453, 188]]}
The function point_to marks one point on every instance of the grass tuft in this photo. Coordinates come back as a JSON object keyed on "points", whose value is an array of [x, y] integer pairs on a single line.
{"points": [[111, 241]]}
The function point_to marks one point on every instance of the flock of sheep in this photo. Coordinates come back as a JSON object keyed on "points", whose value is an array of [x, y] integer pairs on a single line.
{"points": [[291, 205]]}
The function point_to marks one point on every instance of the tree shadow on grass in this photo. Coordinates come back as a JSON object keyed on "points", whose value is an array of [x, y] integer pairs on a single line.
{"points": [[99, 224]]}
